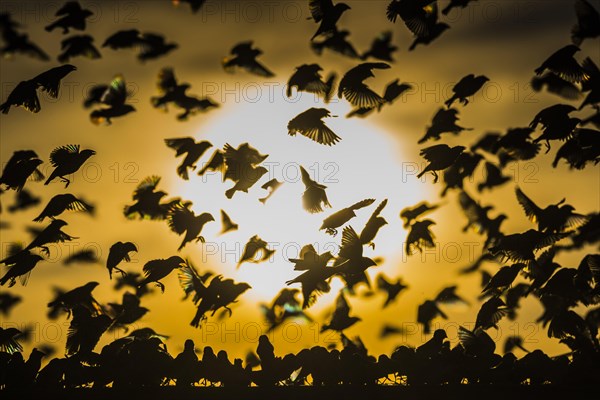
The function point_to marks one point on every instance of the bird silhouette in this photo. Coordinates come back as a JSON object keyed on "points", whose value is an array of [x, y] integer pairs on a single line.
{"points": [[426, 312], [8, 301], [465, 88], [25, 93], [342, 216], [448, 296], [148, 200], [227, 225], [374, 223], [185, 365], [284, 306], [181, 219], [87, 256], [391, 289], [123, 39], [327, 14], [581, 149], [22, 165], [393, 90], [353, 89], [563, 63], [556, 85], [314, 197], [67, 160], [85, 331], [419, 236], [71, 16], [249, 177], [554, 219], [240, 162], [153, 46], [455, 4], [193, 151], [462, 169], [337, 42], [15, 42], [8, 340], [503, 278], [340, 319], [309, 123], [520, 247], [591, 85], [78, 46], [216, 163], [255, 251], [80, 297], [493, 177], [409, 214], [308, 258], [490, 313], [381, 48], [50, 234], [243, 55], [307, 78], [588, 22], [443, 121], [220, 293], [351, 264], [117, 253], [61, 203], [271, 186], [440, 157], [20, 263], [420, 17], [315, 276], [155, 270], [127, 312], [114, 98], [23, 201]]}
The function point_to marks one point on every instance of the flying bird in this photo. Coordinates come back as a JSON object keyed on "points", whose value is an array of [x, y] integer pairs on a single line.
{"points": [[123, 39], [353, 89], [328, 14], [7, 302], [374, 223], [22, 166], [351, 265], [520, 247], [80, 297], [181, 219], [563, 63], [193, 151], [336, 42], [117, 253], [15, 42], [23, 201], [307, 78], [127, 312], [255, 251], [272, 187], [465, 88], [114, 99], [455, 4], [443, 121], [20, 263], [391, 289], [216, 163], [153, 46], [148, 200], [241, 162], [314, 197], [83, 256], [342, 216], [314, 278], [247, 179], [78, 46], [71, 16], [243, 55], [50, 234], [493, 177], [556, 85], [155, 270], [426, 312], [67, 160], [440, 157], [61, 203], [588, 22], [85, 331], [419, 236], [8, 340], [409, 214], [381, 48], [341, 319], [420, 17], [227, 225], [309, 123], [490, 313]]}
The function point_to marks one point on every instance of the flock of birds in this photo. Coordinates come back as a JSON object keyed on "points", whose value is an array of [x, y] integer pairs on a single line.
{"points": [[141, 357]]}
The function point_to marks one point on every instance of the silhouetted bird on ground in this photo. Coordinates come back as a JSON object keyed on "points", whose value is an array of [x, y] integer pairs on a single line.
{"points": [[227, 224], [79, 297], [15, 42], [8, 342], [193, 151], [185, 368], [314, 197], [155, 270], [582, 148], [520, 247], [67, 160], [314, 279], [588, 22], [248, 178], [85, 331], [255, 251], [336, 42], [553, 219], [443, 121], [72, 16], [465, 88], [148, 200], [114, 98], [20, 263], [341, 319], [328, 14], [78, 46], [391, 289], [490, 313], [440, 157], [117, 253], [503, 278], [351, 264], [556, 85], [563, 64], [374, 223], [22, 166], [127, 312], [381, 48], [477, 343], [87, 256], [493, 177], [195, 6], [25, 93], [455, 4], [153, 46], [419, 236], [244, 56], [342, 216], [51, 234], [353, 89], [309, 123], [448, 296], [181, 219], [23, 201], [61, 203], [8, 301], [271, 186], [409, 214], [123, 39], [426, 312], [307, 78]]}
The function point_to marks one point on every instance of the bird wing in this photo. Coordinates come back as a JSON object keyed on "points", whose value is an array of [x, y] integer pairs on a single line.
{"points": [[147, 185], [531, 209], [435, 152], [361, 204], [166, 80], [181, 145], [74, 204], [179, 218], [351, 247], [116, 93], [318, 8], [62, 154]]}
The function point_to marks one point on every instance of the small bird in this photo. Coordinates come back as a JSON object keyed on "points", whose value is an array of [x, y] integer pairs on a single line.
{"points": [[434, 346], [409, 214], [443, 121], [8, 340], [392, 289], [155, 270], [20, 263], [80, 297], [181, 219], [556, 85], [341, 319], [592, 85], [307, 78], [420, 17], [114, 98], [153, 46], [381, 48], [252, 249], [583, 147], [342, 216], [309, 258], [127, 312], [314, 197], [117, 253], [503, 278], [227, 225], [193, 151], [7, 302], [440, 157], [465, 88], [283, 307], [72, 16], [353, 89], [351, 264], [426, 312], [123, 39], [419, 236], [23, 201], [520, 247], [272, 187], [85, 331], [148, 200], [490, 313], [247, 179], [25, 93], [16, 42], [50, 234], [563, 64], [336, 42], [374, 223], [61, 203], [76, 46], [455, 4], [309, 123], [493, 177], [588, 22], [243, 55], [315, 276], [448, 296], [328, 14], [67, 160], [216, 163], [82, 256]]}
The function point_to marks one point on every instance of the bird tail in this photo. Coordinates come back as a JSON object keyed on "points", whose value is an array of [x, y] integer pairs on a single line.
{"points": [[229, 193], [362, 203], [5, 107], [317, 47], [39, 218], [450, 101], [182, 172], [50, 27], [263, 200], [412, 46], [50, 178], [330, 85]]}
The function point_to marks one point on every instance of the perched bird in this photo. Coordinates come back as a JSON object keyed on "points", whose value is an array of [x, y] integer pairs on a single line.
{"points": [[50, 234], [67, 160], [455, 4], [374, 223], [490, 313], [117, 253], [272, 187], [309, 123], [181, 219], [78, 46], [465, 88], [555, 218], [244, 56], [61, 203], [248, 178], [493, 177], [71, 16], [477, 343], [353, 89], [23, 201], [307, 78], [155, 270], [193, 151], [123, 39], [392, 289], [328, 14], [351, 264], [22, 165], [419, 236], [588, 22], [563, 64], [341, 319], [185, 365], [409, 214], [381, 48], [443, 121], [25, 93], [227, 224], [314, 197], [440, 157], [252, 249], [426, 312], [114, 99], [153, 46], [336, 42], [8, 340], [80, 297], [342, 216], [20, 263], [15, 42]]}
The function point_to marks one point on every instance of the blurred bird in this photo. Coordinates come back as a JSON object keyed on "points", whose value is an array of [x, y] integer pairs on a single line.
{"points": [[15, 42], [314, 197], [341, 319], [434, 346], [563, 64], [61, 203], [419, 236], [465, 88], [216, 163], [127, 312], [308, 258], [520, 247], [117, 253], [252, 249], [192, 282], [195, 5], [374, 223], [514, 342], [477, 343], [114, 97], [8, 340], [67, 160], [76, 46], [153, 46], [20, 263], [80, 297], [181, 219], [351, 264], [455, 4], [283, 307], [503, 278], [409, 214], [272, 187], [123, 39], [556, 85], [336, 42], [309, 123], [8, 301], [22, 166], [353, 89], [315, 276], [328, 14], [516, 144], [381, 48], [307, 78], [220, 293], [249, 177], [591, 85], [72, 16], [426, 312], [443, 121], [448, 296], [193, 151], [392, 289], [51, 234], [85, 331], [393, 90], [87, 256], [132, 280], [493, 177], [583, 147], [588, 22], [240, 162], [23, 201], [244, 56], [490, 313], [227, 224], [155, 270], [342, 216], [25, 93], [148, 200], [440, 157], [420, 17]]}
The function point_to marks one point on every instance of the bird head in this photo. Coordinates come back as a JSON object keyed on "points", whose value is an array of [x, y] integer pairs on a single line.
{"points": [[87, 153], [177, 261], [440, 334], [571, 49], [58, 223], [90, 285], [341, 8]]}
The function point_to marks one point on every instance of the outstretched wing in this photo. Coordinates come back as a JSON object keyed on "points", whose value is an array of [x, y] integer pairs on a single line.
{"points": [[62, 154]]}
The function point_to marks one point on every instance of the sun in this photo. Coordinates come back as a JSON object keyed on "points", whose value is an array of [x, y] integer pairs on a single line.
{"points": [[366, 163]]}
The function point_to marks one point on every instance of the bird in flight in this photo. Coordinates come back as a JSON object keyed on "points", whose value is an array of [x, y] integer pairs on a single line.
{"points": [[271, 186], [314, 197], [309, 123], [328, 14], [340, 319], [353, 89], [465, 88], [243, 55], [71, 16], [155, 270], [181, 219], [78, 46], [193, 151], [117, 253], [227, 225], [255, 251], [20, 262], [307, 78], [67, 160], [440, 157], [22, 166], [114, 98], [61, 203], [342, 216]]}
